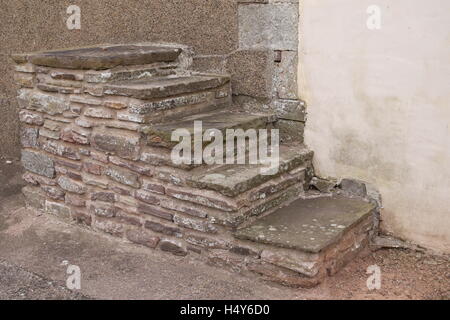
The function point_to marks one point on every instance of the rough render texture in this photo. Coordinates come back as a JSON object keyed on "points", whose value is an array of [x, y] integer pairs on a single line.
{"points": [[383, 114]]}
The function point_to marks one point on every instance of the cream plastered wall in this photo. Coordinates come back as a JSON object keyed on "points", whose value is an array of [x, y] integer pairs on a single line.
{"points": [[379, 106]]}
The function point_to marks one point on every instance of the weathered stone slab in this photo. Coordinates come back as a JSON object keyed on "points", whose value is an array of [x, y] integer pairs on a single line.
{"points": [[162, 87], [38, 163], [161, 134], [105, 57], [129, 73], [232, 180], [310, 225], [167, 104]]}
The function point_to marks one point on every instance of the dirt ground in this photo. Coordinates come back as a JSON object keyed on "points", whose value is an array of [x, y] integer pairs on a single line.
{"points": [[35, 249]]}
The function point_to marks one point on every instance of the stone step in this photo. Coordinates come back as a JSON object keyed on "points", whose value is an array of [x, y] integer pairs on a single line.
{"points": [[309, 239], [234, 179], [309, 225], [103, 57], [159, 135], [169, 86]]}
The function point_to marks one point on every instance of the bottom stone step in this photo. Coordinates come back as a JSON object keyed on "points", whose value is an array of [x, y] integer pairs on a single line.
{"points": [[310, 237]]}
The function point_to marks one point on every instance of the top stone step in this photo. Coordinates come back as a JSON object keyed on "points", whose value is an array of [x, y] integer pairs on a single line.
{"points": [[103, 57]]}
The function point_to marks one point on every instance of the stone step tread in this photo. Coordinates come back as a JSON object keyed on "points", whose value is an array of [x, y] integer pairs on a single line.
{"points": [[234, 179], [216, 119], [104, 57], [308, 225], [161, 87]]}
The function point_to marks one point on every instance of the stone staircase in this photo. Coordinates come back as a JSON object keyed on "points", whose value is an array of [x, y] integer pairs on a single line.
{"points": [[96, 136]]}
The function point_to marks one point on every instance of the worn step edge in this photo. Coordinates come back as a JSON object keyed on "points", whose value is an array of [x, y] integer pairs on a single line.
{"points": [[225, 185], [90, 58], [240, 233], [161, 87]]}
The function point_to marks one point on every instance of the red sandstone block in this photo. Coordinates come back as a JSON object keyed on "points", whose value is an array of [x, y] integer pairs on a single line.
{"points": [[133, 166], [99, 156], [153, 187], [129, 219], [146, 197], [142, 208], [75, 200], [93, 168], [164, 229], [200, 199]]}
